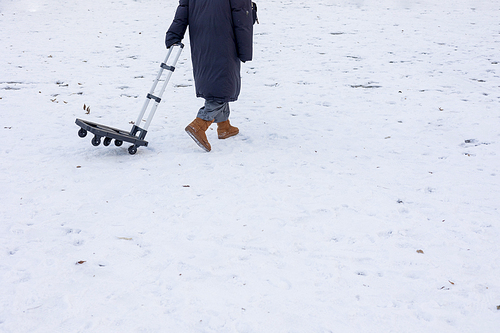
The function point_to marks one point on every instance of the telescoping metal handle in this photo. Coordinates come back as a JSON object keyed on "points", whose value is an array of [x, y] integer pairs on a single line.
{"points": [[165, 65]]}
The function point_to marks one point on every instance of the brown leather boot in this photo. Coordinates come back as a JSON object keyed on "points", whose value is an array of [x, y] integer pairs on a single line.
{"points": [[225, 130], [196, 130]]}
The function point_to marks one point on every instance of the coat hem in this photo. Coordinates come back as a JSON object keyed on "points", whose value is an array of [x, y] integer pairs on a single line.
{"points": [[217, 99]]}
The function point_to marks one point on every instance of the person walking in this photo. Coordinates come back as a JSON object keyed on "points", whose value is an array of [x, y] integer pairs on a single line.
{"points": [[221, 37]]}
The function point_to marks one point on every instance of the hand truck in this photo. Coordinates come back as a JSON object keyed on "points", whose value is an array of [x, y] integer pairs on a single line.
{"points": [[137, 134]]}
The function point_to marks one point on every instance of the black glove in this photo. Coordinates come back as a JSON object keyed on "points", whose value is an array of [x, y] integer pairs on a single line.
{"points": [[170, 42]]}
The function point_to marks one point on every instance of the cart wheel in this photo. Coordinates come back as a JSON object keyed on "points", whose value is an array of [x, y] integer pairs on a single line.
{"points": [[96, 141], [118, 143], [82, 133], [107, 141], [132, 150]]}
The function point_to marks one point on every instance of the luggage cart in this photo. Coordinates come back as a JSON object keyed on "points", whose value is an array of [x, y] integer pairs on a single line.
{"points": [[137, 133]]}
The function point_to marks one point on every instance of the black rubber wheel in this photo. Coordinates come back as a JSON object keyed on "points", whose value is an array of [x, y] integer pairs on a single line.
{"points": [[96, 141], [118, 143], [107, 141], [132, 150], [82, 133]]}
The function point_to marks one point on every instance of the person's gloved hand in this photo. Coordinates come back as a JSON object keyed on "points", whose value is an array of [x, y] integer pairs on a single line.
{"points": [[170, 42]]}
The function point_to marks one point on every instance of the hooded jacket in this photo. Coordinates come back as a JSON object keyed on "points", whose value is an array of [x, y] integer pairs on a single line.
{"points": [[220, 33]]}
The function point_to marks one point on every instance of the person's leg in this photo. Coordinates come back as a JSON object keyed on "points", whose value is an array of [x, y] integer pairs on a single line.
{"points": [[210, 112], [219, 113], [213, 110]]}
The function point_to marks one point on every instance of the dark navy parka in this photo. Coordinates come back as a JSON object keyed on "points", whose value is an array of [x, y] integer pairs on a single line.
{"points": [[220, 33]]}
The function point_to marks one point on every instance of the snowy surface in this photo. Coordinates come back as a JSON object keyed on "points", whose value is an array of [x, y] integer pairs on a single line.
{"points": [[361, 195]]}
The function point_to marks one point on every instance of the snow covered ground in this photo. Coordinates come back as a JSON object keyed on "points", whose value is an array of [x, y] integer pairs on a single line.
{"points": [[362, 194]]}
